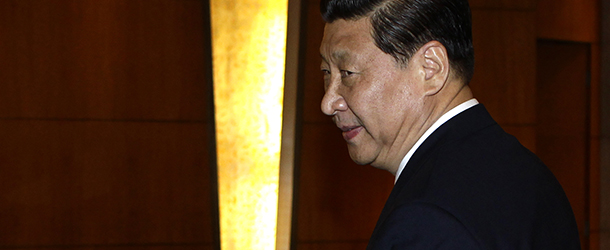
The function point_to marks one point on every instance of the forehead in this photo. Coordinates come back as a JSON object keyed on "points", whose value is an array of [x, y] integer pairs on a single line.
{"points": [[345, 37]]}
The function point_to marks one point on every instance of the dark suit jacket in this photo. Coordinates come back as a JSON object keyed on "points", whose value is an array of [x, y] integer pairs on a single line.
{"points": [[471, 185]]}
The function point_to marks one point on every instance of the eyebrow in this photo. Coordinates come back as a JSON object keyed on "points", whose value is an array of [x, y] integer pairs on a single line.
{"points": [[341, 55]]}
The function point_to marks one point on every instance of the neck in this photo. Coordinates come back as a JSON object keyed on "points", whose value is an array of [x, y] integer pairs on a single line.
{"points": [[437, 106]]}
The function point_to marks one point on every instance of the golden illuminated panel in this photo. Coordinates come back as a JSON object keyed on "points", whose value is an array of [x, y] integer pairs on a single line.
{"points": [[248, 41]]}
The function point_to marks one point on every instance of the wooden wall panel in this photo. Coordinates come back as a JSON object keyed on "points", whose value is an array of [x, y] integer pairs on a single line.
{"points": [[103, 125], [503, 4], [312, 76], [569, 20], [338, 200], [333, 245], [150, 247], [112, 59], [73, 182], [505, 64], [525, 133]]}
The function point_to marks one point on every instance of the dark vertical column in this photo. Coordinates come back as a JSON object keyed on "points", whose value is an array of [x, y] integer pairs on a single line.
{"points": [[570, 21], [208, 83], [563, 121], [604, 174]]}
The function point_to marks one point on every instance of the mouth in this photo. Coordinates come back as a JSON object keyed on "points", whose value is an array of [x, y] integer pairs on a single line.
{"points": [[349, 132]]}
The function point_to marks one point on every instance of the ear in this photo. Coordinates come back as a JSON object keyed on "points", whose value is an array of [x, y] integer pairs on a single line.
{"points": [[435, 66]]}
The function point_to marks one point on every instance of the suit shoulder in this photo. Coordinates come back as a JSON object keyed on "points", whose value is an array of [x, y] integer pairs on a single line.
{"points": [[421, 225]]}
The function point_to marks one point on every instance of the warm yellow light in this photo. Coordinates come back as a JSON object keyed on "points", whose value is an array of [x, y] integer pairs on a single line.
{"points": [[248, 41]]}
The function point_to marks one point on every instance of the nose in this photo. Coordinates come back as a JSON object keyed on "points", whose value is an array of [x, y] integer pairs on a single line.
{"points": [[333, 102]]}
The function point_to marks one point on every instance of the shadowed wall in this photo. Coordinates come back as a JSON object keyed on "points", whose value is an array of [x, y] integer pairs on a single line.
{"points": [[103, 125]]}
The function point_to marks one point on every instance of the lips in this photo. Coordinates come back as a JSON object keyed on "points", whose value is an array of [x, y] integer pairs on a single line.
{"points": [[351, 132]]}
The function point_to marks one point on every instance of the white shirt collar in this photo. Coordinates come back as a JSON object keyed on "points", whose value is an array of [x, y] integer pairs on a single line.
{"points": [[444, 118]]}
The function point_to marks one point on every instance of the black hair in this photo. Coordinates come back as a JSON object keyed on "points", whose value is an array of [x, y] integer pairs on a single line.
{"points": [[401, 27]]}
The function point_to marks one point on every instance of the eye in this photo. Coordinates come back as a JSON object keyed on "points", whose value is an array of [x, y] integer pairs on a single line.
{"points": [[345, 73], [325, 72]]}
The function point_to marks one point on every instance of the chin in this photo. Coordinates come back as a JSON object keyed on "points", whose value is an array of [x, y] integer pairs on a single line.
{"points": [[360, 162], [359, 158], [367, 158]]}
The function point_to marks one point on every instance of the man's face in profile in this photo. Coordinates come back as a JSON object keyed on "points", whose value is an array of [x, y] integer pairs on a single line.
{"points": [[375, 101]]}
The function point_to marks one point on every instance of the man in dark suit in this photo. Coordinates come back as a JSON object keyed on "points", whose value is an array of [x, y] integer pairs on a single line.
{"points": [[396, 76]]}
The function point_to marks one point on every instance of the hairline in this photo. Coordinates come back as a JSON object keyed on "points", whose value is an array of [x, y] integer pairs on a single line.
{"points": [[401, 61]]}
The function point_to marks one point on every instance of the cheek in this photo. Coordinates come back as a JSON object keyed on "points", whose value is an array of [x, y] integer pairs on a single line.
{"points": [[408, 107], [373, 100], [402, 107]]}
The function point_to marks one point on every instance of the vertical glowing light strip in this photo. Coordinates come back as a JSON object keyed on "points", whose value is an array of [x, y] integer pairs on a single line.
{"points": [[248, 41]]}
